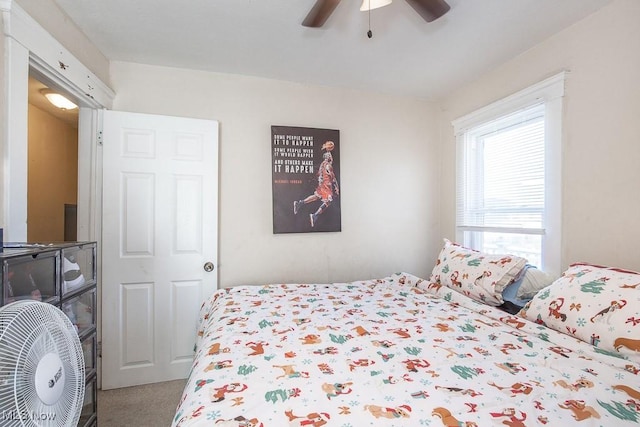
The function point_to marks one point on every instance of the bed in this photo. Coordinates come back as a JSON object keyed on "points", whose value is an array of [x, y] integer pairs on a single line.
{"points": [[407, 351]]}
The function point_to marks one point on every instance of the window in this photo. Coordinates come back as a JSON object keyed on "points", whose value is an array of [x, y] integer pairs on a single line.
{"points": [[508, 176]]}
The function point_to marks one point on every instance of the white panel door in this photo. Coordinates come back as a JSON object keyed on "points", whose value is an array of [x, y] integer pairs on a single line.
{"points": [[160, 193]]}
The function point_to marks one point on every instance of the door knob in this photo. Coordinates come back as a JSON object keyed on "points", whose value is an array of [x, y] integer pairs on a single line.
{"points": [[208, 266]]}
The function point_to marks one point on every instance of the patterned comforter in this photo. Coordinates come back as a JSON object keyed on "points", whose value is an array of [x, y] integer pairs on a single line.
{"points": [[386, 352]]}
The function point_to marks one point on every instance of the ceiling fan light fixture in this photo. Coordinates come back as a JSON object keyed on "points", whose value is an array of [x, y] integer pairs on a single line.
{"points": [[59, 101], [373, 4], [429, 10]]}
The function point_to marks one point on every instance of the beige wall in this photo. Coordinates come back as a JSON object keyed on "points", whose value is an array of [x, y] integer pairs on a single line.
{"points": [[389, 157], [396, 203], [53, 171], [601, 149]]}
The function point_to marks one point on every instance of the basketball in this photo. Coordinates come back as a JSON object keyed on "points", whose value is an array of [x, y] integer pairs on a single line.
{"points": [[329, 146]]}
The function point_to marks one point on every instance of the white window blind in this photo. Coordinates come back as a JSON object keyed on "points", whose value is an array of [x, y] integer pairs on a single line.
{"points": [[502, 186]]}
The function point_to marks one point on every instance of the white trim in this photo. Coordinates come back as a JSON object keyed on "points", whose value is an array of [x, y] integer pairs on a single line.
{"points": [[29, 46], [546, 90], [90, 166], [16, 74], [90, 197], [552, 254], [53, 59]]}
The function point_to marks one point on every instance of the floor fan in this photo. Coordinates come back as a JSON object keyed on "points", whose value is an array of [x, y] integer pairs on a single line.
{"points": [[42, 378]]}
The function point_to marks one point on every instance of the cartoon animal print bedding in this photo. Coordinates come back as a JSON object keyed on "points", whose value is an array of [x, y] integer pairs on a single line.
{"points": [[388, 353]]}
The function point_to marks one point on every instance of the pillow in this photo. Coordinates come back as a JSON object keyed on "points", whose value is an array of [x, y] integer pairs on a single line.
{"points": [[478, 275], [598, 305], [532, 282]]}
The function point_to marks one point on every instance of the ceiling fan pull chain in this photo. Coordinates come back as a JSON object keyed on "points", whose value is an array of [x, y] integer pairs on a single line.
{"points": [[369, 33]]}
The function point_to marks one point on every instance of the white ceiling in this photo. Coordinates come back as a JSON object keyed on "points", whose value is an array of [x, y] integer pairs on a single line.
{"points": [[406, 56]]}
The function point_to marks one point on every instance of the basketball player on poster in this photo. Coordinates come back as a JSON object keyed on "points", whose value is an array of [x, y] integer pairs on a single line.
{"points": [[327, 183]]}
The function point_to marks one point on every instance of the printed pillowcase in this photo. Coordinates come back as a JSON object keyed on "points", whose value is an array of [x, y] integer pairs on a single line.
{"points": [[599, 305], [478, 275]]}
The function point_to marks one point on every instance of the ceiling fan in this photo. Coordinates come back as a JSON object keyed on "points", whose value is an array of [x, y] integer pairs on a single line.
{"points": [[430, 10]]}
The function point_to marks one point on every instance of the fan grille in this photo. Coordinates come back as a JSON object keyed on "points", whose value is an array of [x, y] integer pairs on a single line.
{"points": [[29, 331]]}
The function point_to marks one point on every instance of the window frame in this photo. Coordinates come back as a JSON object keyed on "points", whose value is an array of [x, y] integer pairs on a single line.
{"points": [[550, 92]]}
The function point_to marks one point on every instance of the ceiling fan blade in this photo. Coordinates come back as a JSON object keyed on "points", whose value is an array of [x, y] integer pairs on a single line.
{"points": [[430, 10], [320, 13]]}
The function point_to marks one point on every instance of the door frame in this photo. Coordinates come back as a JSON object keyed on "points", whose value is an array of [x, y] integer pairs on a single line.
{"points": [[29, 48]]}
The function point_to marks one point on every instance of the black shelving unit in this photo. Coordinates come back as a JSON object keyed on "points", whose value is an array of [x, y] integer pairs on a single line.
{"points": [[63, 274]]}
